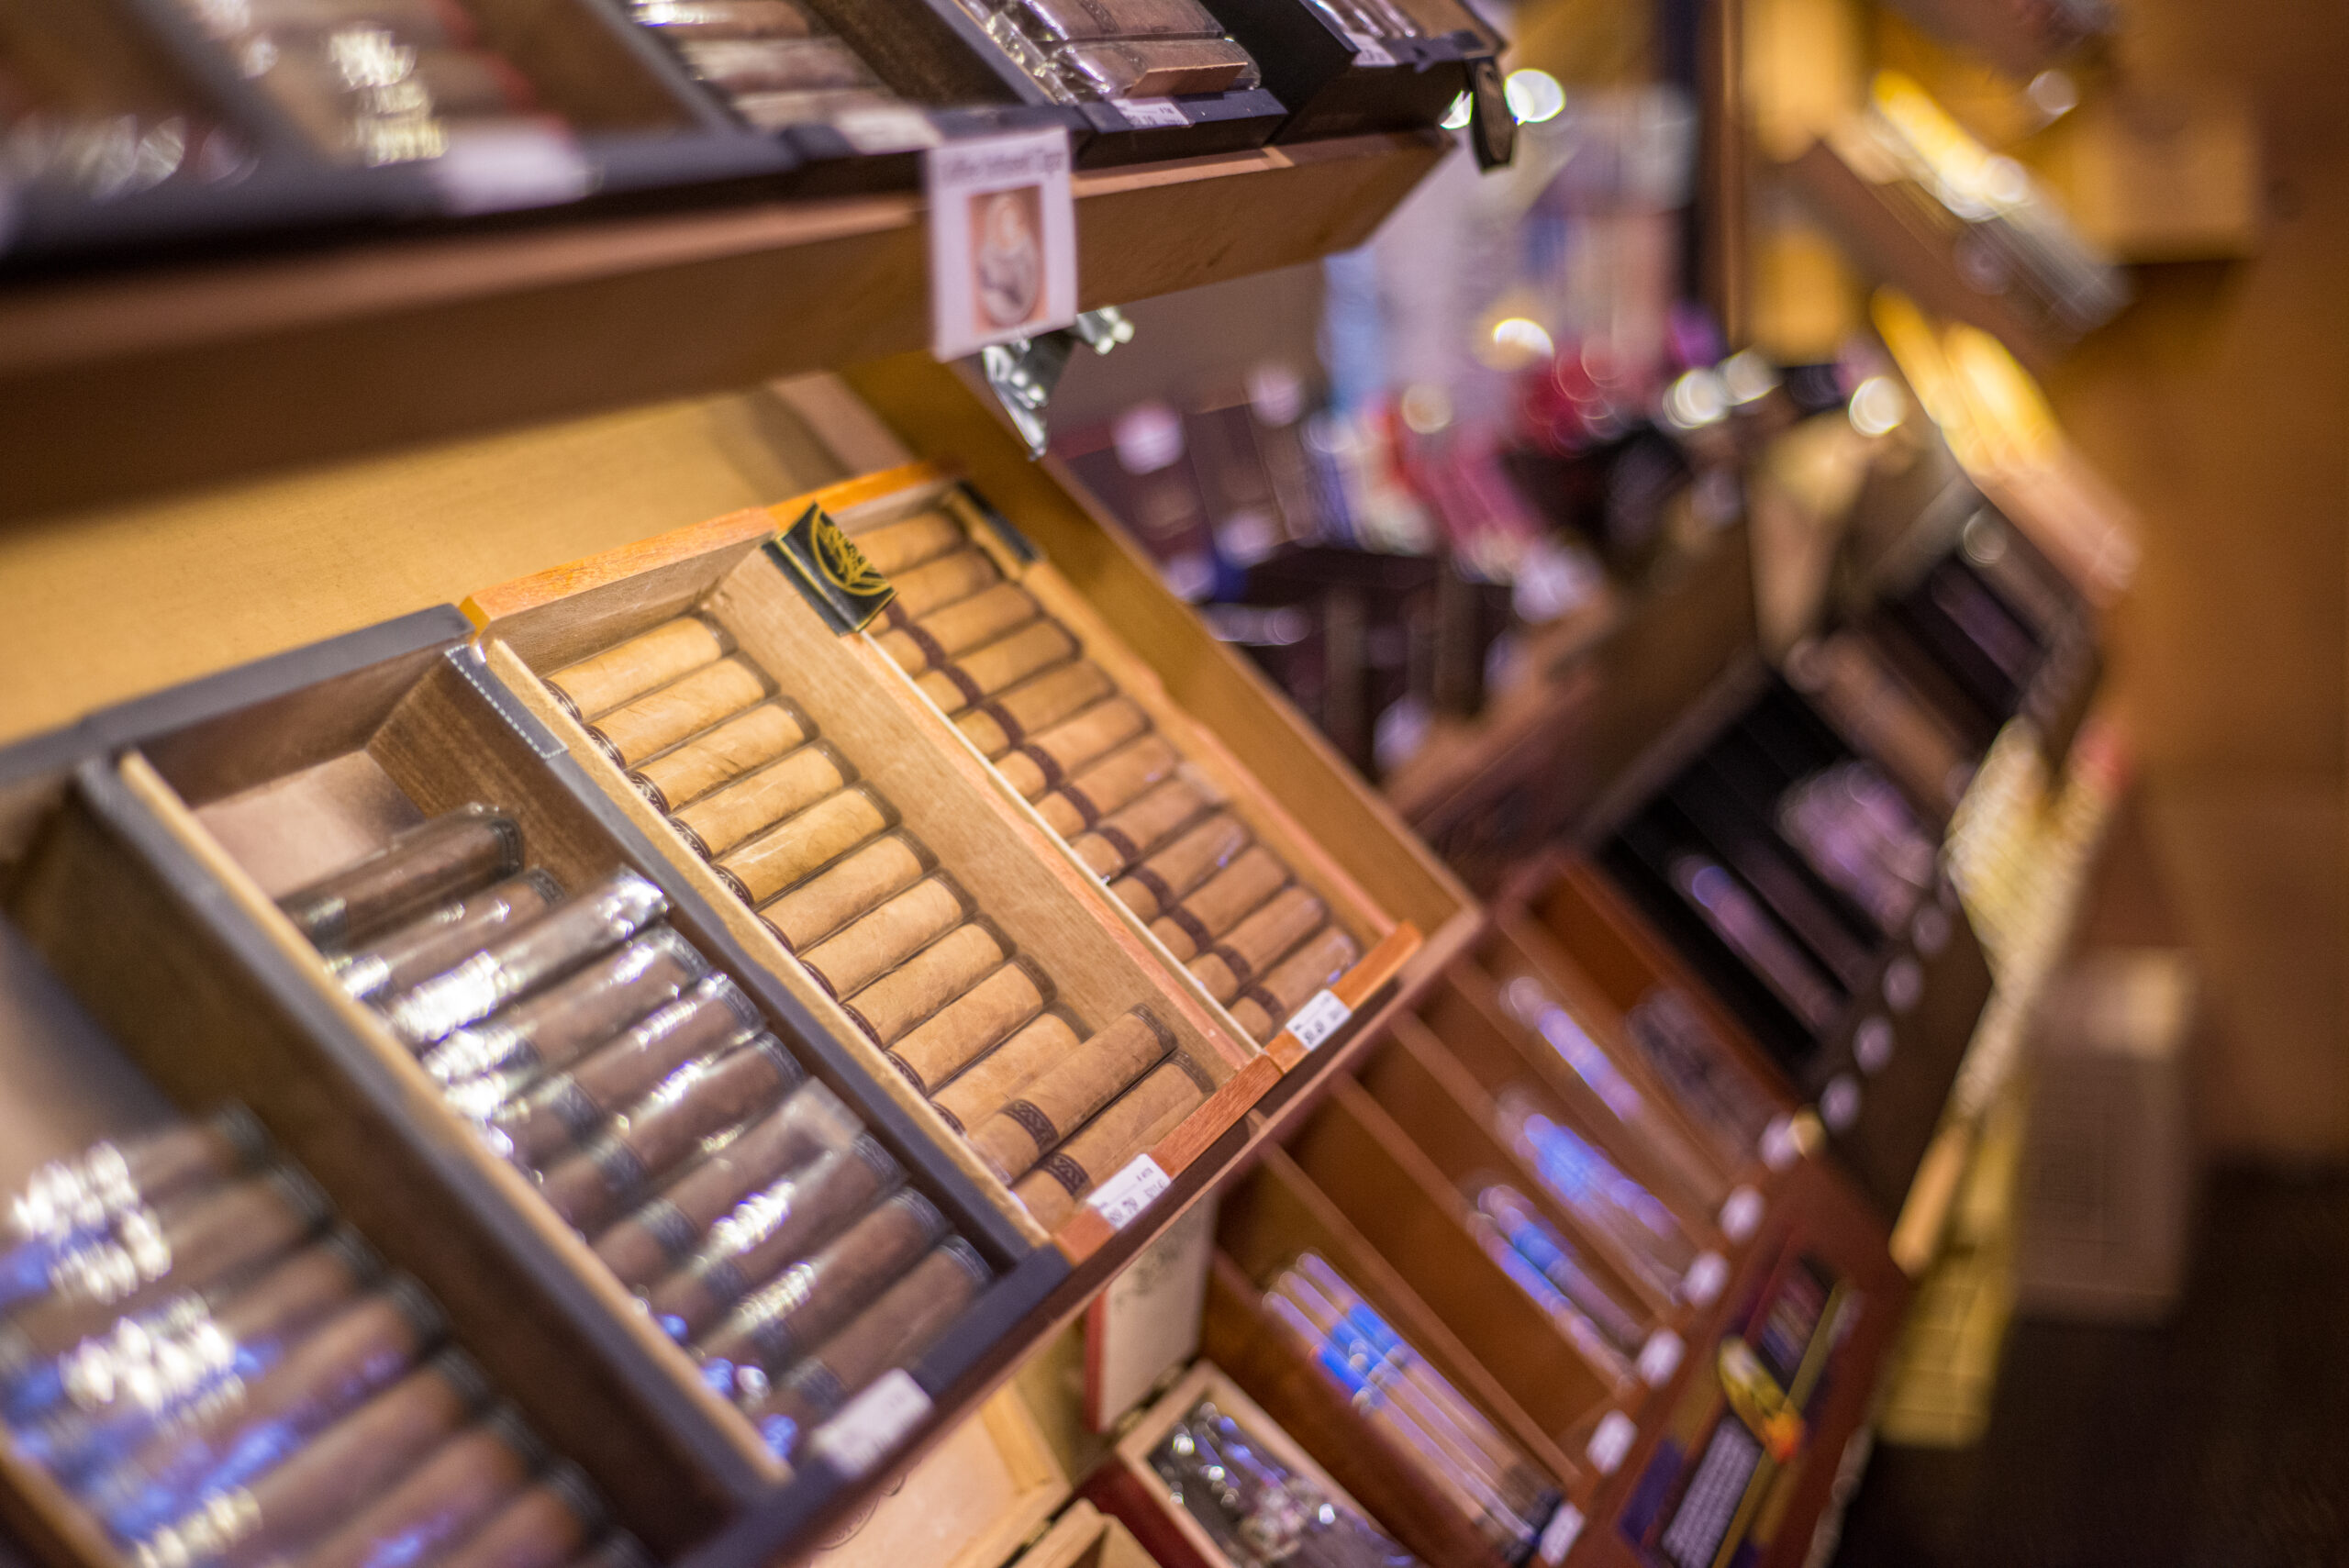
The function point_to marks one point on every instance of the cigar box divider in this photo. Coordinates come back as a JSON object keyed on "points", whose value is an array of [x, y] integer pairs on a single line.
{"points": [[1314, 69], [1355, 989], [1086, 1232]]}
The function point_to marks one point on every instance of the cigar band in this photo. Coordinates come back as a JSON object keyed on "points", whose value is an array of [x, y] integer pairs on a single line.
{"points": [[734, 885], [1274, 1006], [772, 1338], [1153, 883], [967, 1257], [779, 1056], [819, 1386], [1196, 1073], [1128, 850], [866, 1024], [563, 700], [910, 1077], [569, 1105], [879, 1161], [1033, 1122], [1240, 968], [1046, 764], [776, 932], [1190, 925], [623, 1174], [463, 1375], [651, 792], [960, 679], [1086, 812], [604, 744], [1014, 732], [1066, 1172], [718, 1276], [933, 653], [950, 1118], [670, 1231]]}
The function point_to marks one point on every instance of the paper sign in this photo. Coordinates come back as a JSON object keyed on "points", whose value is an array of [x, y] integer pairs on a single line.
{"points": [[1660, 1358], [1002, 240], [1322, 1015], [509, 164], [1131, 1190], [1610, 1442], [870, 1425], [886, 128], [1159, 113], [1558, 1536]]}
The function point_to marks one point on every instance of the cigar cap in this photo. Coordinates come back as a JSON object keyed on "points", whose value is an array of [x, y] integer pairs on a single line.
{"points": [[849, 772], [780, 1054], [241, 1132], [506, 1424], [543, 882], [621, 1549], [1150, 1021], [669, 940], [882, 804], [925, 1213], [1036, 975], [303, 1196], [363, 1261], [868, 1148], [422, 1312], [570, 1487], [463, 1375], [967, 1257], [720, 985]]}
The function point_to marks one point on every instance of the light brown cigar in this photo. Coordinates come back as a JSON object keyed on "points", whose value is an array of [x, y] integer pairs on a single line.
{"points": [[1110, 785], [1123, 837], [1158, 883], [717, 822], [896, 547], [1067, 1094], [1045, 760], [1135, 1122], [830, 899], [997, 666], [1219, 903], [955, 1035], [981, 619], [541, 1528], [1034, 706], [1265, 1007], [658, 720], [797, 848], [718, 756], [990, 1083], [889, 936], [927, 980], [625, 670], [937, 584], [1258, 942], [442, 1500]]}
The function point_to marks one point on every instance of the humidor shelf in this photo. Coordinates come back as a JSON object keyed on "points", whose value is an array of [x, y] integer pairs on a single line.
{"points": [[251, 365]]}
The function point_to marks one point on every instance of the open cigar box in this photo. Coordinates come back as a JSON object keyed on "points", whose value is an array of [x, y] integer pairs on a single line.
{"points": [[153, 845], [1336, 81], [921, 794]]}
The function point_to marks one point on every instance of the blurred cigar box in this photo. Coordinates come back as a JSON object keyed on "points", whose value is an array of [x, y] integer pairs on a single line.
{"points": [[159, 839], [1345, 71]]}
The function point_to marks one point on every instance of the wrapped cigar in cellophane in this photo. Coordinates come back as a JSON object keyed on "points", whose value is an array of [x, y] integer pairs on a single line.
{"points": [[1121, 49], [220, 1377], [769, 58]]}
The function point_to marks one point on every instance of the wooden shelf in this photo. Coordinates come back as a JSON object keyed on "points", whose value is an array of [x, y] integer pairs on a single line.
{"points": [[239, 367]]}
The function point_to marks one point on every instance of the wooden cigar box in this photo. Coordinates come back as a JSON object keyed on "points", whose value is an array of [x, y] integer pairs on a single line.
{"points": [[146, 879], [1055, 918], [1336, 82]]}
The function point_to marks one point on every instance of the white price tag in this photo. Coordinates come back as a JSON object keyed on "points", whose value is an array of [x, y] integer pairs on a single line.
{"points": [[1368, 51], [1613, 1439], [1704, 1280], [1002, 240], [1558, 1536], [1741, 1213], [886, 128], [1158, 114], [1660, 1358], [502, 166], [1321, 1017], [1131, 1190], [872, 1424]]}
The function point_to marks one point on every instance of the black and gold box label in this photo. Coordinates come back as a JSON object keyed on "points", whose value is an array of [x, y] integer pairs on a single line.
{"points": [[829, 569]]}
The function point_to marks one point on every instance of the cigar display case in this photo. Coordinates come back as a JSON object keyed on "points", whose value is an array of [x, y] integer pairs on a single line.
{"points": [[1138, 79], [616, 1151], [1342, 67]]}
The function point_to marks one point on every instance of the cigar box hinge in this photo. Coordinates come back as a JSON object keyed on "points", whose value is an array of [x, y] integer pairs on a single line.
{"points": [[467, 660]]}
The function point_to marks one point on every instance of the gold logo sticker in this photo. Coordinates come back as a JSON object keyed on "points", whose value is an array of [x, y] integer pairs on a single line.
{"points": [[833, 574]]}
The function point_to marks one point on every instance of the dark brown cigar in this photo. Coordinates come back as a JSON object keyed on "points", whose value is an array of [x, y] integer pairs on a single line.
{"points": [[461, 1485], [563, 1022], [719, 821], [323, 1484], [1208, 910], [921, 645], [900, 546], [1132, 1124], [150, 1256], [1065, 1095], [589, 1189], [939, 583], [542, 1528], [562, 1111], [664, 1231], [896, 1328], [946, 969], [618, 1549], [437, 940], [1121, 839], [545, 949], [769, 1230], [988, 1083], [879, 941], [1046, 760], [996, 666], [832, 898], [724, 753], [798, 847], [1264, 1008], [85, 1194], [1259, 942], [451, 854], [652, 723], [1034, 706], [950, 1039], [1116, 781], [1160, 883], [813, 1298], [628, 669]]}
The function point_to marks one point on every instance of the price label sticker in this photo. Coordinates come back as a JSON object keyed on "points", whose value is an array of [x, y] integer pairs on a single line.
{"points": [[1660, 1358], [1156, 114], [506, 165], [1741, 1213], [1558, 1536], [1002, 240], [869, 1426], [1131, 1190], [886, 128], [1703, 1282], [1320, 1018], [1369, 50], [1610, 1442]]}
